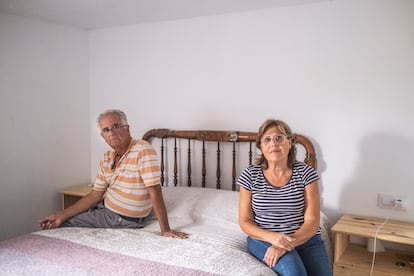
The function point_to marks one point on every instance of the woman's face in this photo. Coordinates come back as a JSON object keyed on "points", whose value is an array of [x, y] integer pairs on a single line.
{"points": [[275, 146]]}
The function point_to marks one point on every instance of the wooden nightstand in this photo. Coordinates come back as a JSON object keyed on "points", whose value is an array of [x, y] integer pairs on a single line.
{"points": [[353, 259], [73, 194]]}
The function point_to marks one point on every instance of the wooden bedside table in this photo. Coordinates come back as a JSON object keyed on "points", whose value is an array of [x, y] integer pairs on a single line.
{"points": [[352, 259], [73, 194]]}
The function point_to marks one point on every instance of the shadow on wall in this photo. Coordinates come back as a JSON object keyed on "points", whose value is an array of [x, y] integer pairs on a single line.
{"points": [[384, 166], [321, 168], [320, 163]]}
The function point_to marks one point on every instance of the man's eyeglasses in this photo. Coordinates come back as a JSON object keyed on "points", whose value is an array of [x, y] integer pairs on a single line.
{"points": [[278, 139], [115, 127]]}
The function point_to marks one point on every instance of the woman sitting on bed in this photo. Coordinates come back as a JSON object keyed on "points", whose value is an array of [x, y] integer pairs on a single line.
{"points": [[279, 207]]}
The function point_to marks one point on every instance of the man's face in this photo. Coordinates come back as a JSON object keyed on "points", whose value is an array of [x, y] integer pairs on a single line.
{"points": [[116, 134]]}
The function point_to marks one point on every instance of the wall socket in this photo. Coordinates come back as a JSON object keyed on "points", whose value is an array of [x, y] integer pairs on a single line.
{"points": [[395, 202]]}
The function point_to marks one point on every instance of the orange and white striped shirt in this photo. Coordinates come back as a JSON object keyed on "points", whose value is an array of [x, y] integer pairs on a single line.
{"points": [[125, 186]]}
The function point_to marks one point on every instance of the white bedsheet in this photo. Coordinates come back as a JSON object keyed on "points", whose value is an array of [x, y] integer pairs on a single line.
{"points": [[216, 245]]}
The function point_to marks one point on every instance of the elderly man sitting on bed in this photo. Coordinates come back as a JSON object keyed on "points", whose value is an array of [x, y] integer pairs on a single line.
{"points": [[127, 186]]}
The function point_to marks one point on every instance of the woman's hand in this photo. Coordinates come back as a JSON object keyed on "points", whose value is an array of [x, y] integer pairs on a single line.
{"points": [[282, 241], [273, 255]]}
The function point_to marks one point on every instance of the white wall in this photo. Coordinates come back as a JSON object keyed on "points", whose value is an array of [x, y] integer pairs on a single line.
{"points": [[340, 72], [44, 118]]}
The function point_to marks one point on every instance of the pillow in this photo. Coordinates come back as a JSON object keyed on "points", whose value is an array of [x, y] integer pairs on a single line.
{"points": [[197, 203]]}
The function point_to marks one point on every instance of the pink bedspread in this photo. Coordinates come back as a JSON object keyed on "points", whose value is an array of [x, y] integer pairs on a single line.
{"points": [[34, 254]]}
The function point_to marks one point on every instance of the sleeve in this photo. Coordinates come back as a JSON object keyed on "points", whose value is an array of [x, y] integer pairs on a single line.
{"points": [[245, 179], [148, 165], [309, 175], [100, 183]]}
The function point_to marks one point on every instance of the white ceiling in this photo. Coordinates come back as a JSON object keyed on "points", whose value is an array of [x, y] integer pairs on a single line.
{"points": [[92, 14]]}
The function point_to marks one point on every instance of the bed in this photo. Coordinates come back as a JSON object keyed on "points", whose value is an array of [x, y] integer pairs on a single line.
{"points": [[199, 171]]}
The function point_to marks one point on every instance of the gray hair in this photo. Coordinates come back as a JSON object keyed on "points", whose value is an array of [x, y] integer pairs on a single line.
{"points": [[118, 112]]}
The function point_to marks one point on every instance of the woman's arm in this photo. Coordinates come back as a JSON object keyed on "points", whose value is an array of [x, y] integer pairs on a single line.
{"points": [[312, 215]]}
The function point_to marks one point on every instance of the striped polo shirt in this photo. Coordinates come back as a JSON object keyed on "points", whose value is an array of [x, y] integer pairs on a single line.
{"points": [[125, 186], [279, 209]]}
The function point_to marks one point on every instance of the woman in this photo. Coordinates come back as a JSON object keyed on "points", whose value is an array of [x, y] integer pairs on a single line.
{"points": [[279, 207]]}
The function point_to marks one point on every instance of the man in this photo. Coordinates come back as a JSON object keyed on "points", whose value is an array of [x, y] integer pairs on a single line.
{"points": [[127, 186]]}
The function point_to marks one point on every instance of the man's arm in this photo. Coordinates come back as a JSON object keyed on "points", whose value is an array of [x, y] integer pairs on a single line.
{"points": [[161, 213], [85, 203]]}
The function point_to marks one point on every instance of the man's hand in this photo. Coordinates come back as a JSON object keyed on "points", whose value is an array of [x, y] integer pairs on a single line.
{"points": [[52, 221], [175, 234]]}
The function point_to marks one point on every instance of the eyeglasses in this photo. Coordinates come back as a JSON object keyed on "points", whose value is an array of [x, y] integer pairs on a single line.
{"points": [[278, 139], [114, 128]]}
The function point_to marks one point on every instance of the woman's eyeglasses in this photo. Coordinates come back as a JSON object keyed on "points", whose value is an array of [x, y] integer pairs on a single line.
{"points": [[278, 139], [115, 127]]}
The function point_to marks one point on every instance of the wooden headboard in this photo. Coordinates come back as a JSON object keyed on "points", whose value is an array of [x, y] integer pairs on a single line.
{"points": [[221, 141]]}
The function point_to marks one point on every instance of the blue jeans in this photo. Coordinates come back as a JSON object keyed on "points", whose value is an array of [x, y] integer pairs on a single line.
{"points": [[309, 258]]}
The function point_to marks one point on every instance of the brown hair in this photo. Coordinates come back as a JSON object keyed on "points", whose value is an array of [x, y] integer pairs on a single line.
{"points": [[284, 129]]}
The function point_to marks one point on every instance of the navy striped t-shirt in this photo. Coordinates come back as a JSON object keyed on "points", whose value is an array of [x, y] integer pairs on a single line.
{"points": [[279, 209]]}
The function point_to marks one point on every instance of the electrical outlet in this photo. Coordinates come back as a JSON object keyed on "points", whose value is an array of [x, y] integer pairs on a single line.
{"points": [[394, 202]]}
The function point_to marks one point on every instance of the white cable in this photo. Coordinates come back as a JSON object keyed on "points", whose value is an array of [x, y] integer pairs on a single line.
{"points": [[375, 241]]}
